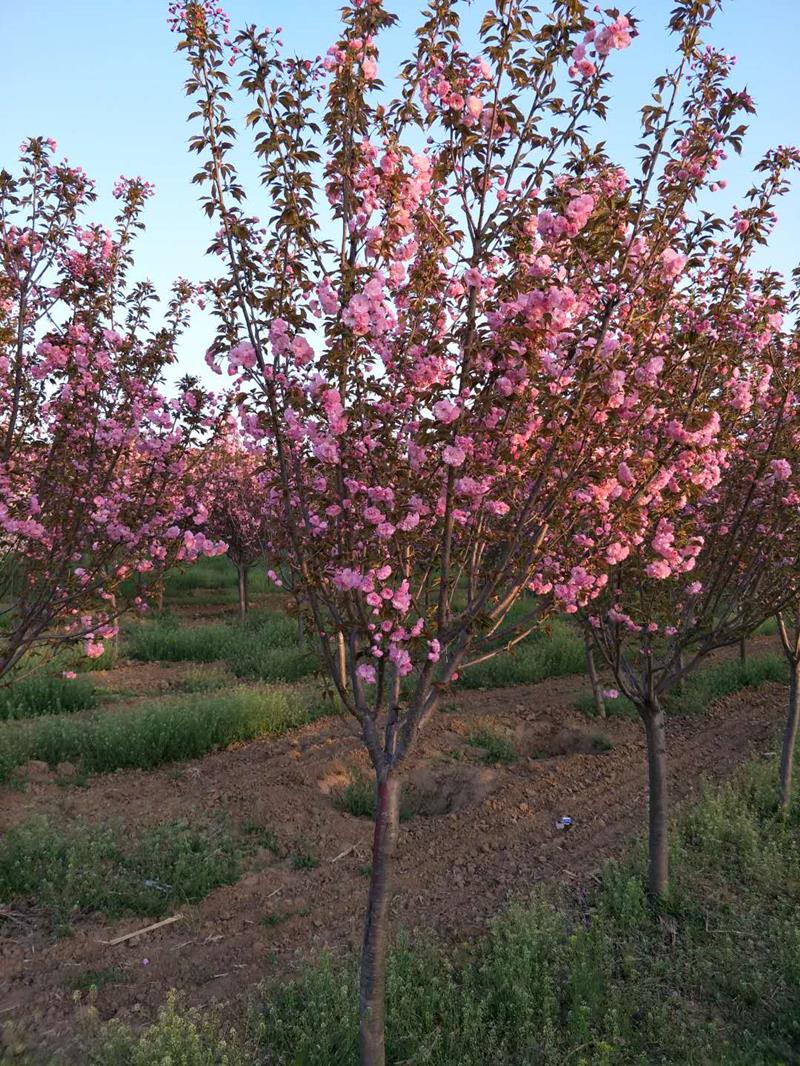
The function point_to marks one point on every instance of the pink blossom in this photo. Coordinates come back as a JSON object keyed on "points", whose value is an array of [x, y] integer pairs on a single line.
{"points": [[367, 673], [453, 455], [445, 411], [781, 469]]}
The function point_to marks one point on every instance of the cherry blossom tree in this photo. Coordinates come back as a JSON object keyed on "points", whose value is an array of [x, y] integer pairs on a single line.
{"points": [[94, 487], [717, 566], [456, 316], [238, 498]]}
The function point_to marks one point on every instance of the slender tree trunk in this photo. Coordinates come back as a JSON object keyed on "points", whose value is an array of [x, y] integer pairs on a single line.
{"points": [[341, 650], [658, 800], [790, 736], [160, 596], [372, 990], [597, 689], [743, 649], [301, 631], [681, 683], [244, 602]]}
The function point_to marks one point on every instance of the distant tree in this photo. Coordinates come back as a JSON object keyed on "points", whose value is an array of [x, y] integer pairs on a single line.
{"points": [[237, 495]]}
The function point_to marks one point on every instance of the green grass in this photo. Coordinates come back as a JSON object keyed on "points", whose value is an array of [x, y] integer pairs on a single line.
{"points": [[262, 648], [710, 979], [358, 799], [702, 687], [304, 860], [261, 836], [42, 694], [160, 732], [97, 979], [496, 747], [214, 579], [167, 640], [99, 869], [552, 652]]}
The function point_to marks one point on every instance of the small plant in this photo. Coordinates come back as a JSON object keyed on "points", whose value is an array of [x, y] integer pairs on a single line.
{"points": [[496, 748], [269, 921], [304, 860], [601, 743], [261, 836]]}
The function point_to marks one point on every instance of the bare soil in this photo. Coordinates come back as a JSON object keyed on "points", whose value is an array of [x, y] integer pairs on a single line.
{"points": [[482, 835]]}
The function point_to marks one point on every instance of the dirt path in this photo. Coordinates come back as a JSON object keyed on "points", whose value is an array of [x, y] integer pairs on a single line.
{"points": [[486, 835]]}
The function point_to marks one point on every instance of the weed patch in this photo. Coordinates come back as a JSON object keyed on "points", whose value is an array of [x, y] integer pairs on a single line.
{"points": [[496, 748], [84, 869]]}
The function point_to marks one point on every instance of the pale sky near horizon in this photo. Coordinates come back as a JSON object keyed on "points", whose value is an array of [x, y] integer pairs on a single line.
{"points": [[103, 79]]}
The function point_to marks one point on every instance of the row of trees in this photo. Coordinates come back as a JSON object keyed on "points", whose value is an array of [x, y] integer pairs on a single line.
{"points": [[474, 364]]}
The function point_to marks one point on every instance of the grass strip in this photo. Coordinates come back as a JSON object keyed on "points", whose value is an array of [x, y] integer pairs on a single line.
{"points": [[43, 694], [702, 687], [262, 648], [552, 652], [161, 732]]}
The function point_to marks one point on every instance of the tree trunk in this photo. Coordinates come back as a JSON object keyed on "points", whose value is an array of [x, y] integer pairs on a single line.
{"points": [[658, 802], [743, 649], [244, 603], [680, 684], [597, 690], [341, 654], [372, 990], [790, 737], [160, 596], [301, 631]]}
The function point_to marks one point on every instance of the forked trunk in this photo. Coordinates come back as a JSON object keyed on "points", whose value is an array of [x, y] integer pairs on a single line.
{"points": [[597, 688], [790, 736], [244, 602], [658, 800], [372, 990]]}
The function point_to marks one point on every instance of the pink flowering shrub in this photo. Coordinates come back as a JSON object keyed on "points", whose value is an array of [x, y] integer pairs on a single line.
{"points": [[94, 458]]}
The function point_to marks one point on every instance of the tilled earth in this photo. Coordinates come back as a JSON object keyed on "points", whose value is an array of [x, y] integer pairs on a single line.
{"points": [[481, 836]]}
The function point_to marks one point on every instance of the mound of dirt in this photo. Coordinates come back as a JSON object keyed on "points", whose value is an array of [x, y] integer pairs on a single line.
{"points": [[546, 742], [436, 790]]}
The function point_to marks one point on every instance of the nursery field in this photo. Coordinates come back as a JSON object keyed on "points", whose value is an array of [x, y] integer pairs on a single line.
{"points": [[201, 773]]}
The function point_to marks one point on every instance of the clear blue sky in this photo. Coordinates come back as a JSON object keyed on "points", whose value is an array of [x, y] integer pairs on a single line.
{"points": [[102, 78]]}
